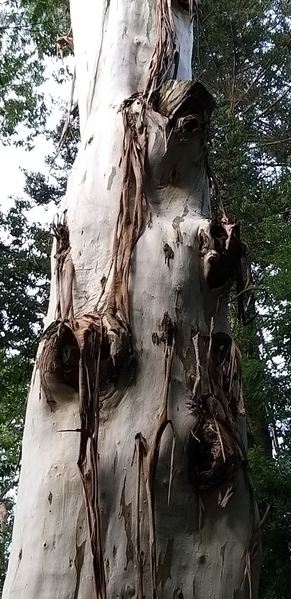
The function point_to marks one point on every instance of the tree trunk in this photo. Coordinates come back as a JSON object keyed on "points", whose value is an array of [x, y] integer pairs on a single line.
{"points": [[134, 480]]}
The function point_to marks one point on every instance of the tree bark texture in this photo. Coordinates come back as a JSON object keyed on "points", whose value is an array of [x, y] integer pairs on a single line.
{"points": [[134, 480]]}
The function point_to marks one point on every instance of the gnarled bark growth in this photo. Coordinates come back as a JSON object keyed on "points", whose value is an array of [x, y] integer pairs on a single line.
{"points": [[136, 414]]}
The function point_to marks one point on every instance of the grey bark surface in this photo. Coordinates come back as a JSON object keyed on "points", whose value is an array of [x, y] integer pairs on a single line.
{"points": [[134, 481]]}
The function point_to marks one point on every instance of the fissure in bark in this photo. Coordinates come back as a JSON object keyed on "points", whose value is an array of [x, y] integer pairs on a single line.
{"points": [[147, 456]]}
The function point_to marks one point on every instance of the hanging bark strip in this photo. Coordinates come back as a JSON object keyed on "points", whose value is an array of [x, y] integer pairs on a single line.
{"points": [[72, 352], [64, 269], [90, 344], [189, 6], [164, 53], [214, 447], [147, 456], [222, 251], [130, 219]]}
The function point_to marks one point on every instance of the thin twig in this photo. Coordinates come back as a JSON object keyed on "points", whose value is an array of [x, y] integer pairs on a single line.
{"points": [[273, 104], [249, 288], [233, 71]]}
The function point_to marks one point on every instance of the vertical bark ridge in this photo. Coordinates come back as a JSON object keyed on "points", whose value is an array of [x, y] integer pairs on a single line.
{"points": [[90, 343], [84, 334], [64, 269], [139, 450], [130, 219], [164, 52], [147, 456]]}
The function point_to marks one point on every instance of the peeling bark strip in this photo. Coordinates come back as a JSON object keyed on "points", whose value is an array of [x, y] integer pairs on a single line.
{"points": [[130, 219], [147, 456], [164, 53], [64, 269], [90, 343], [189, 6], [73, 351], [222, 250], [214, 447]]}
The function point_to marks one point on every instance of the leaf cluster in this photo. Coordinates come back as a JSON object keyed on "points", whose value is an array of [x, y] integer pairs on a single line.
{"points": [[28, 33]]}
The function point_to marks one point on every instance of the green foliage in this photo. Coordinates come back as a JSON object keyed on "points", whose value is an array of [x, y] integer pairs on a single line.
{"points": [[28, 33], [24, 290], [60, 165], [5, 540], [14, 376], [48, 20], [243, 56], [272, 480]]}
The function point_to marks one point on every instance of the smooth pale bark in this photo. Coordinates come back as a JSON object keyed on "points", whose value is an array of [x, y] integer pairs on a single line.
{"points": [[162, 533]]}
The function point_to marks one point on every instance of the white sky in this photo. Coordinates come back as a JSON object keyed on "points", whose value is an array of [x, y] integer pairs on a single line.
{"points": [[13, 159]]}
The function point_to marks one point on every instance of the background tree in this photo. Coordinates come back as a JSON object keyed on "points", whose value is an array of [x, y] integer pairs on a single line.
{"points": [[243, 54], [28, 35], [244, 57], [24, 274]]}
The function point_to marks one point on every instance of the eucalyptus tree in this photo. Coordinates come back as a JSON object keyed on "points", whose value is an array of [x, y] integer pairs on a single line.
{"points": [[27, 35], [24, 275], [134, 479]]}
